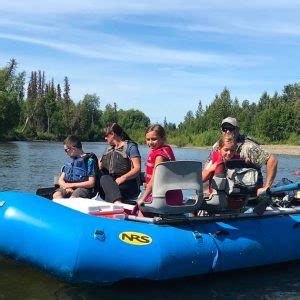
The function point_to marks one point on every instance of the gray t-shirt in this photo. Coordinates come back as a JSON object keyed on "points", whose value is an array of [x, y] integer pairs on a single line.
{"points": [[132, 150]]}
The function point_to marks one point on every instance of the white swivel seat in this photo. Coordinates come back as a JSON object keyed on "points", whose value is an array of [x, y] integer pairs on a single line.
{"points": [[175, 175]]}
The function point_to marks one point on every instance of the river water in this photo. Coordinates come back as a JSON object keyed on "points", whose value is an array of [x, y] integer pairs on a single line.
{"points": [[27, 166]]}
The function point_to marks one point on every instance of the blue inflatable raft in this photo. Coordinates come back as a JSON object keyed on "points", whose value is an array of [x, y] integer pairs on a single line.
{"points": [[79, 247], [82, 248]]}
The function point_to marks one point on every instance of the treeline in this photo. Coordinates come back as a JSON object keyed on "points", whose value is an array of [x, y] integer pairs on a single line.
{"points": [[48, 112], [44, 110], [274, 119]]}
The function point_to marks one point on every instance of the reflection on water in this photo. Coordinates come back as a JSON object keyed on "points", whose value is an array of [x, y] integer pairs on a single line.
{"points": [[26, 166], [272, 282]]}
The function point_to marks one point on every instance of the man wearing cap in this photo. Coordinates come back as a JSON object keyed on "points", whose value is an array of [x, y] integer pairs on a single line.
{"points": [[250, 151]]}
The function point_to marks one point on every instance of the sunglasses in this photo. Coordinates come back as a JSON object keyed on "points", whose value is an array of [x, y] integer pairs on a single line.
{"points": [[229, 128], [68, 149]]}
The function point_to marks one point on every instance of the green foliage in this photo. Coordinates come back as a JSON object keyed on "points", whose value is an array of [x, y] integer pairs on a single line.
{"points": [[274, 119], [294, 139], [133, 120], [179, 140], [48, 112], [10, 98], [137, 136]]}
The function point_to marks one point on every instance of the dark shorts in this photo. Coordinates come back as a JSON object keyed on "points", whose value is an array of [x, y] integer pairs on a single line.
{"points": [[110, 191], [79, 192]]}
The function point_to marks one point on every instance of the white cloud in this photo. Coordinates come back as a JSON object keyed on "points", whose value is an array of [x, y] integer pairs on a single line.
{"points": [[137, 53], [136, 7]]}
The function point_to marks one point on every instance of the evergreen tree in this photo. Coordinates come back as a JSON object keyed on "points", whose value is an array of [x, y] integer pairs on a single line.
{"points": [[50, 103], [10, 106], [58, 92], [110, 114]]}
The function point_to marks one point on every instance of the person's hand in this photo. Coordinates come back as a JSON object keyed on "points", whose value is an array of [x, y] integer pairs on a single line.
{"points": [[120, 180], [69, 190], [260, 190], [140, 201], [213, 167], [247, 160], [66, 185], [135, 210]]}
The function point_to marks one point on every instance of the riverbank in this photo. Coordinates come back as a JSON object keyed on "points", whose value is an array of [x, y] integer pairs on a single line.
{"points": [[274, 149], [283, 149]]}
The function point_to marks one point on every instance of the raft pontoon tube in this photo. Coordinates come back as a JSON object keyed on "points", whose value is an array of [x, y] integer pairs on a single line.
{"points": [[83, 248]]}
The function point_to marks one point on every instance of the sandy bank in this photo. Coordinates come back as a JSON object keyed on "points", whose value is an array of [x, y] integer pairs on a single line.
{"points": [[274, 149], [283, 149]]}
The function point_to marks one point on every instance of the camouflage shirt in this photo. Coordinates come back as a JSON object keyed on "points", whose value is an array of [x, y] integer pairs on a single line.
{"points": [[247, 149], [250, 150]]}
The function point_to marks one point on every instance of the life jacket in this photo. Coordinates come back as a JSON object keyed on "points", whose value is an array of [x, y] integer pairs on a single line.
{"points": [[234, 180], [243, 178], [173, 197], [220, 169], [165, 151], [77, 170], [115, 161]]}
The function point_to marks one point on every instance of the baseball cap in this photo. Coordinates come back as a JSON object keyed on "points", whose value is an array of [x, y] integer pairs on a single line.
{"points": [[231, 121]]}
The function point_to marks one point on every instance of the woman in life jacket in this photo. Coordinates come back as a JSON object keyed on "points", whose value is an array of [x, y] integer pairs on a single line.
{"points": [[159, 152], [78, 177], [120, 166], [215, 173]]}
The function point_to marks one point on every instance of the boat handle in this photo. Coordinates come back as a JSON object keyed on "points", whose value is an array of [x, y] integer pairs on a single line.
{"points": [[99, 235], [221, 232], [296, 225], [197, 235]]}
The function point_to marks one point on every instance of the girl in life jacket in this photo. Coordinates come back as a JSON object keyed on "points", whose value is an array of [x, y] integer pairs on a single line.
{"points": [[215, 173], [159, 152]]}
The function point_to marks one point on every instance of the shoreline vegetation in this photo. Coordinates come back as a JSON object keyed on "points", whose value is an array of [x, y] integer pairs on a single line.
{"points": [[44, 110]]}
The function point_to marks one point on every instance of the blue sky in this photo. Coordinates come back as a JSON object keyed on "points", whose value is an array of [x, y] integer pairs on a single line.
{"points": [[161, 57]]}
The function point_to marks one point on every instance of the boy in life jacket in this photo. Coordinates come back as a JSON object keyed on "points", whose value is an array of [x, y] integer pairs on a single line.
{"points": [[215, 172], [159, 152], [78, 177]]}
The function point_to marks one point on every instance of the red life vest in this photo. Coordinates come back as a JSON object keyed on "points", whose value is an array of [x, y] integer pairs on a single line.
{"points": [[233, 202], [220, 169], [165, 151], [173, 197]]}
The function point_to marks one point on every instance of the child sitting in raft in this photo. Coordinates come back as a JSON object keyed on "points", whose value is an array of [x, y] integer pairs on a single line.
{"points": [[215, 172], [160, 152], [78, 178]]}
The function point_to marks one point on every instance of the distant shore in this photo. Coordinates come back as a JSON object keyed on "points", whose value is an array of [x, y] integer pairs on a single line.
{"points": [[283, 149], [274, 149]]}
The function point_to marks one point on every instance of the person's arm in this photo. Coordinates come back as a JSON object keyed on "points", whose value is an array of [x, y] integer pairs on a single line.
{"points": [[92, 170], [133, 173], [61, 180], [148, 188], [208, 171], [271, 171], [213, 148], [88, 184]]}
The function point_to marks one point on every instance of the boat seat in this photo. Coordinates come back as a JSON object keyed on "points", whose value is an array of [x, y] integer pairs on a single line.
{"points": [[175, 175]]}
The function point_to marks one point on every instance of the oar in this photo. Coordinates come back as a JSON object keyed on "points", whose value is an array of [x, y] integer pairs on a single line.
{"points": [[46, 192], [261, 207]]}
